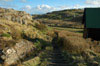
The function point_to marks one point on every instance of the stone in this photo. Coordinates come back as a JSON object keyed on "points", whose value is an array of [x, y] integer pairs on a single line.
{"points": [[19, 51], [15, 16]]}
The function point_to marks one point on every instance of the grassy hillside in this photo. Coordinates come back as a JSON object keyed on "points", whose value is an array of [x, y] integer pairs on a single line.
{"points": [[65, 30], [35, 33], [30, 35], [77, 50], [67, 15], [71, 18]]}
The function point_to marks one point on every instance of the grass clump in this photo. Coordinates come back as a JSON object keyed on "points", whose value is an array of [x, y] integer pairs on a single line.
{"points": [[6, 43], [5, 35], [41, 44], [40, 26], [73, 44], [38, 45], [33, 62]]}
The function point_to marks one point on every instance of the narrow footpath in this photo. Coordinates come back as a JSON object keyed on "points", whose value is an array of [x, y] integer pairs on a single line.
{"points": [[56, 58]]}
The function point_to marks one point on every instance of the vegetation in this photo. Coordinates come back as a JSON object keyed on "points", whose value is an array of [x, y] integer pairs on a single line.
{"points": [[13, 32], [72, 42], [69, 15], [41, 26], [71, 18], [5, 35], [79, 51], [61, 23], [64, 27]]}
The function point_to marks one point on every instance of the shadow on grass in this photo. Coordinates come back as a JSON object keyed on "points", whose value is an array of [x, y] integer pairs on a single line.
{"points": [[37, 51], [79, 31], [67, 27]]}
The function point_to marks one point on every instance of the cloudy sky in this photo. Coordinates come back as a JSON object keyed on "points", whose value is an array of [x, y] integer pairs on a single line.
{"points": [[44, 6]]}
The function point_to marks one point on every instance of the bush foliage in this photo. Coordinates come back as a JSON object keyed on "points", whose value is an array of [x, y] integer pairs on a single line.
{"points": [[41, 26], [71, 42]]}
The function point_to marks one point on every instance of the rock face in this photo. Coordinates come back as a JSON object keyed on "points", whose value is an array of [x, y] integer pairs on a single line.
{"points": [[15, 16], [19, 51]]}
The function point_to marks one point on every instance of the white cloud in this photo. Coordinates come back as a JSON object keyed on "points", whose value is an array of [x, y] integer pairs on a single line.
{"points": [[77, 6], [26, 8], [44, 7], [39, 9], [93, 2]]}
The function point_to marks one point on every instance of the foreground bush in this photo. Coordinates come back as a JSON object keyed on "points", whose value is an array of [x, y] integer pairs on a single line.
{"points": [[74, 42], [71, 42], [41, 26], [77, 50]]}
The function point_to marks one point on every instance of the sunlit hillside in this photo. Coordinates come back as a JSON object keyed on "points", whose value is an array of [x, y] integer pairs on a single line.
{"points": [[52, 39]]}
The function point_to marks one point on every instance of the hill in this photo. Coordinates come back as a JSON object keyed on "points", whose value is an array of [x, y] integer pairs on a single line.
{"points": [[71, 18], [28, 42], [20, 36], [74, 15]]}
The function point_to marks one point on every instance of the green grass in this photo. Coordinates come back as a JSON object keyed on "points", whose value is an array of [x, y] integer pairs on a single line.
{"points": [[32, 62], [5, 35], [63, 15], [44, 55], [69, 29]]}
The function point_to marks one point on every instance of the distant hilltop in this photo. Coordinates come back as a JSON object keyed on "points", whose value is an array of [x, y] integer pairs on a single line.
{"points": [[14, 15], [74, 15]]}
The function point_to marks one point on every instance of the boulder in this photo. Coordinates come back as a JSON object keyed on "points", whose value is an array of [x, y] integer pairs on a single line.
{"points": [[18, 52]]}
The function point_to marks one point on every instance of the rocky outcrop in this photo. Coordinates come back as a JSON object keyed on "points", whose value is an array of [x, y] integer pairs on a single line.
{"points": [[19, 51], [15, 16]]}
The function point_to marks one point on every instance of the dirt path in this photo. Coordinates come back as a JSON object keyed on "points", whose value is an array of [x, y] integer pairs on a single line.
{"points": [[54, 57]]}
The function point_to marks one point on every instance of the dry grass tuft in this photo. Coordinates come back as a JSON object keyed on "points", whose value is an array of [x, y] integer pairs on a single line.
{"points": [[68, 33], [6, 43], [71, 42], [40, 26], [10, 31], [74, 44]]}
